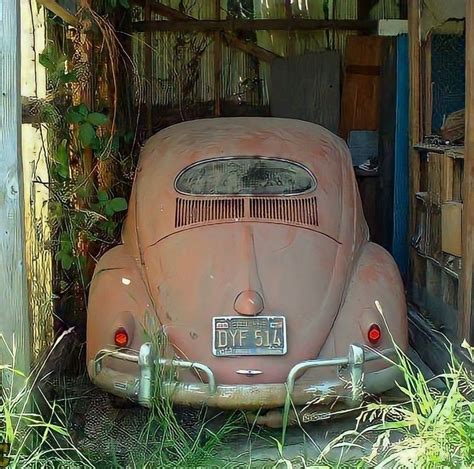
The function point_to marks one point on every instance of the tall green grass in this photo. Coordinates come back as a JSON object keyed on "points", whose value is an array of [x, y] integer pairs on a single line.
{"points": [[429, 428], [185, 441], [35, 441]]}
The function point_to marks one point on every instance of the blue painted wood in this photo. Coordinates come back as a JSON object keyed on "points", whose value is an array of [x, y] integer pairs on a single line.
{"points": [[400, 241]]}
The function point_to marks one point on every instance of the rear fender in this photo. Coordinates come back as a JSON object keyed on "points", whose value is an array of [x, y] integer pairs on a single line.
{"points": [[375, 277], [118, 298]]}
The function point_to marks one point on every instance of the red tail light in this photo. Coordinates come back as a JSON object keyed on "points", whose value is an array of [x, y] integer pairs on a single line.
{"points": [[121, 337], [374, 334]]}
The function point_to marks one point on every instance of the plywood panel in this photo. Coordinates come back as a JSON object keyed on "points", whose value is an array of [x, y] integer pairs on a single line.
{"points": [[360, 103], [307, 87]]}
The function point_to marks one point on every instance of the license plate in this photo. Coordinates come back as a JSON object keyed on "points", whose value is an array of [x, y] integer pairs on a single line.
{"points": [[238, 336]]}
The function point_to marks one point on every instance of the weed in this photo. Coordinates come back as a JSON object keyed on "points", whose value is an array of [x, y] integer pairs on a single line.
{"points": [[33, 441], [430, 429]]}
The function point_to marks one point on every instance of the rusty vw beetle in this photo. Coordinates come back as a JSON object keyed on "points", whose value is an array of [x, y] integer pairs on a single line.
{"points": [[246, 241]]}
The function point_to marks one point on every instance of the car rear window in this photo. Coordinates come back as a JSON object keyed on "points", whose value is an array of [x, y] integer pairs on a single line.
{"points": [[245, 176]]}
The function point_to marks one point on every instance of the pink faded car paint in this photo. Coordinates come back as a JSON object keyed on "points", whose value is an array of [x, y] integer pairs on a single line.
{"points": [[188, 258]]}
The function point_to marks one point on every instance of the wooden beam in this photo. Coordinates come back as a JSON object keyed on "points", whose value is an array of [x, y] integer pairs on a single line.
{"points": [[217, 61], [415, 136], [466, 284], [231, 39], [60, 11], [251, 48], [148, 73], [294, 24], [14, 304]]}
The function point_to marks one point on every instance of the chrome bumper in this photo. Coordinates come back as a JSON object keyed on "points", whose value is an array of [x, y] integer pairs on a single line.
{"points": [[231, 396]]}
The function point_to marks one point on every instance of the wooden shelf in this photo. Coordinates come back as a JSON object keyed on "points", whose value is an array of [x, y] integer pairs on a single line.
{"points": [[452, 151], [437, 263]]}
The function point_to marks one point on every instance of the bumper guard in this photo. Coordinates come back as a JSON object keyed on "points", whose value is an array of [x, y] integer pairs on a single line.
{"points": [[140, 389]]}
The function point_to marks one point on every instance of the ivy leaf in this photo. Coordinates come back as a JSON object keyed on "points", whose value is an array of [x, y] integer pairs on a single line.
{"points": [[96, 144], [69, 77], [66, 261], [97, 118], [66, 242], [61, 64], [57, 210], [64, 255], [55, 63], [61, 154], [63, 171], [118, 204], [124, 3], [86, 133], [74, 117], [62, 160], [113, 3], [108, 210], [82, 109], [46, 61], [102, 196]]}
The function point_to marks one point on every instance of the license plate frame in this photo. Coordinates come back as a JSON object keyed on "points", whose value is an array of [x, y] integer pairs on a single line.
{"points": [[248, 346]]}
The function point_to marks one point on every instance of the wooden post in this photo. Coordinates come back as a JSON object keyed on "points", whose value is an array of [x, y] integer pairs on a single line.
{"points": [[14, 309], [414, 12], [291, 34], [148, 72], [217, 61], [466, 284], [275, 24]]}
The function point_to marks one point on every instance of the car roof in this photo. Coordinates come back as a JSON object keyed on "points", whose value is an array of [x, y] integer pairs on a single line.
{"points": [[189, 142]]}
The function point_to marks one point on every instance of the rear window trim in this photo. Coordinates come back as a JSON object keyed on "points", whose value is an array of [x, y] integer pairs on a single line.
{"points": [[221, 158]]}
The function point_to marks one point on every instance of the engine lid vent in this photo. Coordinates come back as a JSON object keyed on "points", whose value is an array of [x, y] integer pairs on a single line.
{"points": [[192, 211], [295, 211]]}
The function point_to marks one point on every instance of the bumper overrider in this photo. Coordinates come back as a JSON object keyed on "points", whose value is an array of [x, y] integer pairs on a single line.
{"points": [[349, 388]]}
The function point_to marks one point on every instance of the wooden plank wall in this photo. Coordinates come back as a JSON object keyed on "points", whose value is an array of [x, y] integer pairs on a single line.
{"points": [[14, 314], [442, 200]]}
